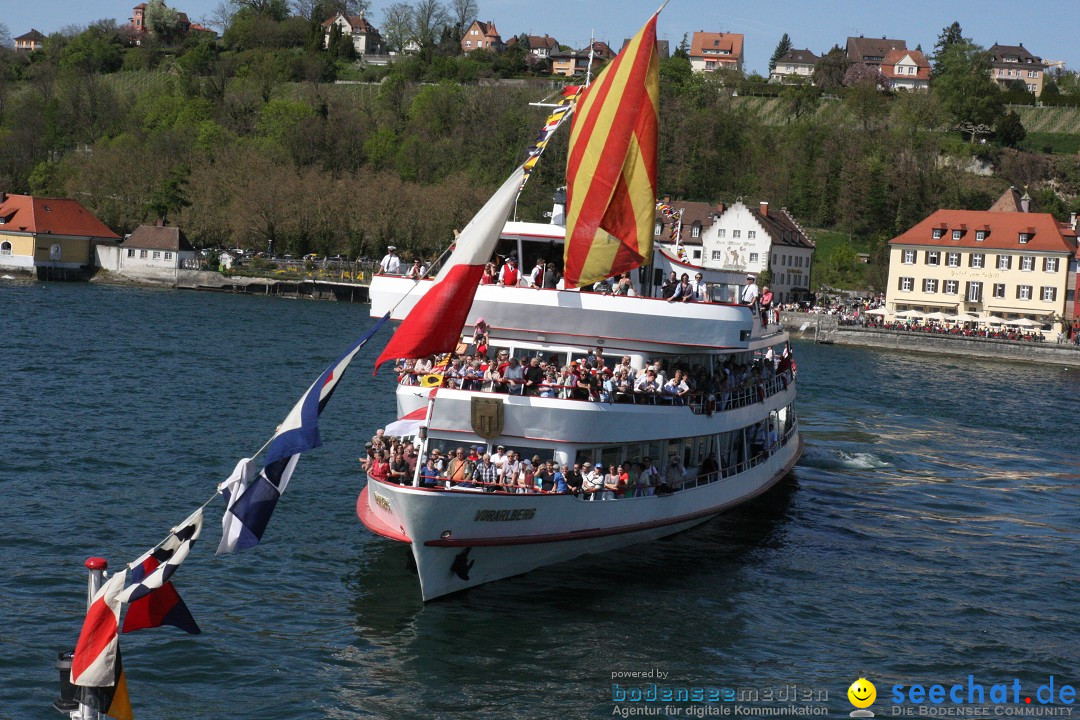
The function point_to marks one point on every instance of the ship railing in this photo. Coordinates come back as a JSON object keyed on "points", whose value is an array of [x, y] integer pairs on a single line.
{"points": [[515, 488], [751, 462], [699, 403]]}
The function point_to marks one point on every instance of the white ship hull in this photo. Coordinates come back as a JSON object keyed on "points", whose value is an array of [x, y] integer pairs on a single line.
{"points": [[461, 539]]}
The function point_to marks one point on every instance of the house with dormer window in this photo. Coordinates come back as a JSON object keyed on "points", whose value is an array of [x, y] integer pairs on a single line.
{"points": [[41, 235], [712, 51], [992, 265], [906, 70], [366, 39], [1009, 63]]}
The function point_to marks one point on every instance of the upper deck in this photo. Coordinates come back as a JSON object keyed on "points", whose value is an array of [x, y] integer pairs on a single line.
{"points": [[570, 317]]}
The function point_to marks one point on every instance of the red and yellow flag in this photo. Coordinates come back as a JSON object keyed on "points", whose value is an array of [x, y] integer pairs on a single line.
{"points": [[611, 170]]}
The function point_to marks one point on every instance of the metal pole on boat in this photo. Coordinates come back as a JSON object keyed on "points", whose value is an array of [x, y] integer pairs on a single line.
{"points": [[68, 702], [97, 567]]}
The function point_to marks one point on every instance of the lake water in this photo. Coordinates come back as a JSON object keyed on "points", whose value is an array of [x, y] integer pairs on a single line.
{"points": [[928, 533]]}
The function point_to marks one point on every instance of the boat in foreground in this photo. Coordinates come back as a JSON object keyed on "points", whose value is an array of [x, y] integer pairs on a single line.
{"points": [[685, 408]]}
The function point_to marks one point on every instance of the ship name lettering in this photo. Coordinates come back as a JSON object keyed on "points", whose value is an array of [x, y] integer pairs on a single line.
{"points": [[383, 503], [503, 515]]}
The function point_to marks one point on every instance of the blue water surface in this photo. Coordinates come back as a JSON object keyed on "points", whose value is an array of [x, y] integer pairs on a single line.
{"points": [[928, 533]]}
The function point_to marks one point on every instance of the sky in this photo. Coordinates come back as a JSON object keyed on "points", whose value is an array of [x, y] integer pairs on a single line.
{"points": [[1049, 29]]}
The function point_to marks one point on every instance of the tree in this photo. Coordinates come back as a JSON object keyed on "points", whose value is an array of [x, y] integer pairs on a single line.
{"points": [[221, 17], [782, 49], [830, 70], [801, 98], [683, 51], [274, 9], [965, 89], [949, 36], [170, 195], [397, 27], [5, 36], [1009, 131], [462, 14], [162, 21], [429, 17], [863, 74]]}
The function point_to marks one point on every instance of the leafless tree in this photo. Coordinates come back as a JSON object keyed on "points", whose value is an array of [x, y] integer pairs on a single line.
{"points": [[5, 36], [463, 12], [220, 18], [429, 18], [397, 27]]}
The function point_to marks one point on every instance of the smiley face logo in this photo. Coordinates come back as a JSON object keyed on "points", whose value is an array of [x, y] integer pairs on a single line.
{"points": [[862, 693]]}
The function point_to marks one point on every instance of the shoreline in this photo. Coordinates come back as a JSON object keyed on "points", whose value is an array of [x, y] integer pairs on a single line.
{"points": [[825, 329]]}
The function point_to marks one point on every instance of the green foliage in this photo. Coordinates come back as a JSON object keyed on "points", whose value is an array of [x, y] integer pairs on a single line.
{"points": [[782, 48], [278, 117], [830, 70], [92, 51], [1009, 131], [964, 87], [949, 36]]}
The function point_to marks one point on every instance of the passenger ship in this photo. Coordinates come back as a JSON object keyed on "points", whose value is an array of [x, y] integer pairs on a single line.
{"points": [[461, 537]]}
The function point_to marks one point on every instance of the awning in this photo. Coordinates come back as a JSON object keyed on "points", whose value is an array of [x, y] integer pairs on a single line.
{"points": [[408, 425]]}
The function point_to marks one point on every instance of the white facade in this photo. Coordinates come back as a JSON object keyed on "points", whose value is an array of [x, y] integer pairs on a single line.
{"points": [[363, 42], [738, 241], [144, 264]]}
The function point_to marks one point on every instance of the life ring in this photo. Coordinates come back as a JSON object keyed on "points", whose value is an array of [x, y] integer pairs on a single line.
{"points": [[432, 380]]}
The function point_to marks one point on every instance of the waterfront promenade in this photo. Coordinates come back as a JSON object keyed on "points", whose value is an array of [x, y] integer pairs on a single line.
{"points": [[827, 329]]}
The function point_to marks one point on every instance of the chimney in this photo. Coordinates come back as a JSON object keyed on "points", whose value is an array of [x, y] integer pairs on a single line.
{"points": [[1072, 219], [3, 196], [763, 206], [719, 208], [1025, 203]]}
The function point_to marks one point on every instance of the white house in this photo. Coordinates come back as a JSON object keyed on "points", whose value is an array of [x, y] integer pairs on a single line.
{"points": [[151, 253], [793, 67], [753, 240], [365, 37]]}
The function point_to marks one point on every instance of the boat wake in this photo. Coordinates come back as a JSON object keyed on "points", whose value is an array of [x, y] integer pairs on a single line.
{"points": [[833, 459]]}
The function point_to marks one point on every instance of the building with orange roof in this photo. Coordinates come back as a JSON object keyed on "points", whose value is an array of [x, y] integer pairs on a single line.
{"points": [[906, 70], [482, 36], [994, 265], [712, 51], [43, 235], [542, 46]]}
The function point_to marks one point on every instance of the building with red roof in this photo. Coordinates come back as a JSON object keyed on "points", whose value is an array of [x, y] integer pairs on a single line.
{"points": [[482, 36], [712, 51], [906, 70], [997, 266], [39, 234]]}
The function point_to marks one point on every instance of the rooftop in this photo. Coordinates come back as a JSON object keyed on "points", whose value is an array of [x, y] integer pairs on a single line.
{"points": [[51, 216]]}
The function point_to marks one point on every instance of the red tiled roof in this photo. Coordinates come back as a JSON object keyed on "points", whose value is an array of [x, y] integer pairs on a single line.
{"points": [[782, 227], [713, 42], [356, 22], [1005, 228], [1008, 202], [56, 216], [692, 212], [888, 65]]}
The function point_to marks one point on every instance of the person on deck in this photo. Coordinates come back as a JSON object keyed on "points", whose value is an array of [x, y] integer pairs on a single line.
{"points": [[749, 295], [391, 263], [509, 273], [765, 302]]}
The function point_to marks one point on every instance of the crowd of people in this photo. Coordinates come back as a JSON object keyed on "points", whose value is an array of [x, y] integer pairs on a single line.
{"points": [[594, 377], [956, 330], [473, 468]]}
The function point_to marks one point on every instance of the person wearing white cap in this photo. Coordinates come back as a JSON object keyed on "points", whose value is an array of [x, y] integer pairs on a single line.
{"points": [[391, 263], [750, 294]]}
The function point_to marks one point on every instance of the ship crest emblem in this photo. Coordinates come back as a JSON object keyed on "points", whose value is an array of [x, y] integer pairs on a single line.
{"points": [[487, 417]]}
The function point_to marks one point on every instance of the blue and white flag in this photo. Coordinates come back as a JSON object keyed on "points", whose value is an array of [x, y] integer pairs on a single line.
{"points": [[251, 502]]}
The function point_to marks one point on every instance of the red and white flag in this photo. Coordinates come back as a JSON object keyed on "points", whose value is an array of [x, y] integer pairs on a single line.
{"points": [[94, 663], [434, 324]]}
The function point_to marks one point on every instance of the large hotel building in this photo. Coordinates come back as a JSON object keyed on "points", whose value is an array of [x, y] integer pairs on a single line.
{"points": [[993, 265]]}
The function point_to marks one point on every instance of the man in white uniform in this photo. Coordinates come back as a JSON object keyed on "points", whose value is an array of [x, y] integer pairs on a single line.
{"points": [[391, 263]]}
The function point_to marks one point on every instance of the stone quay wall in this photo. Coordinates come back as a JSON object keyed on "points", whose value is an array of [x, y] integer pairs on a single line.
{"points": [[826, 329]]}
